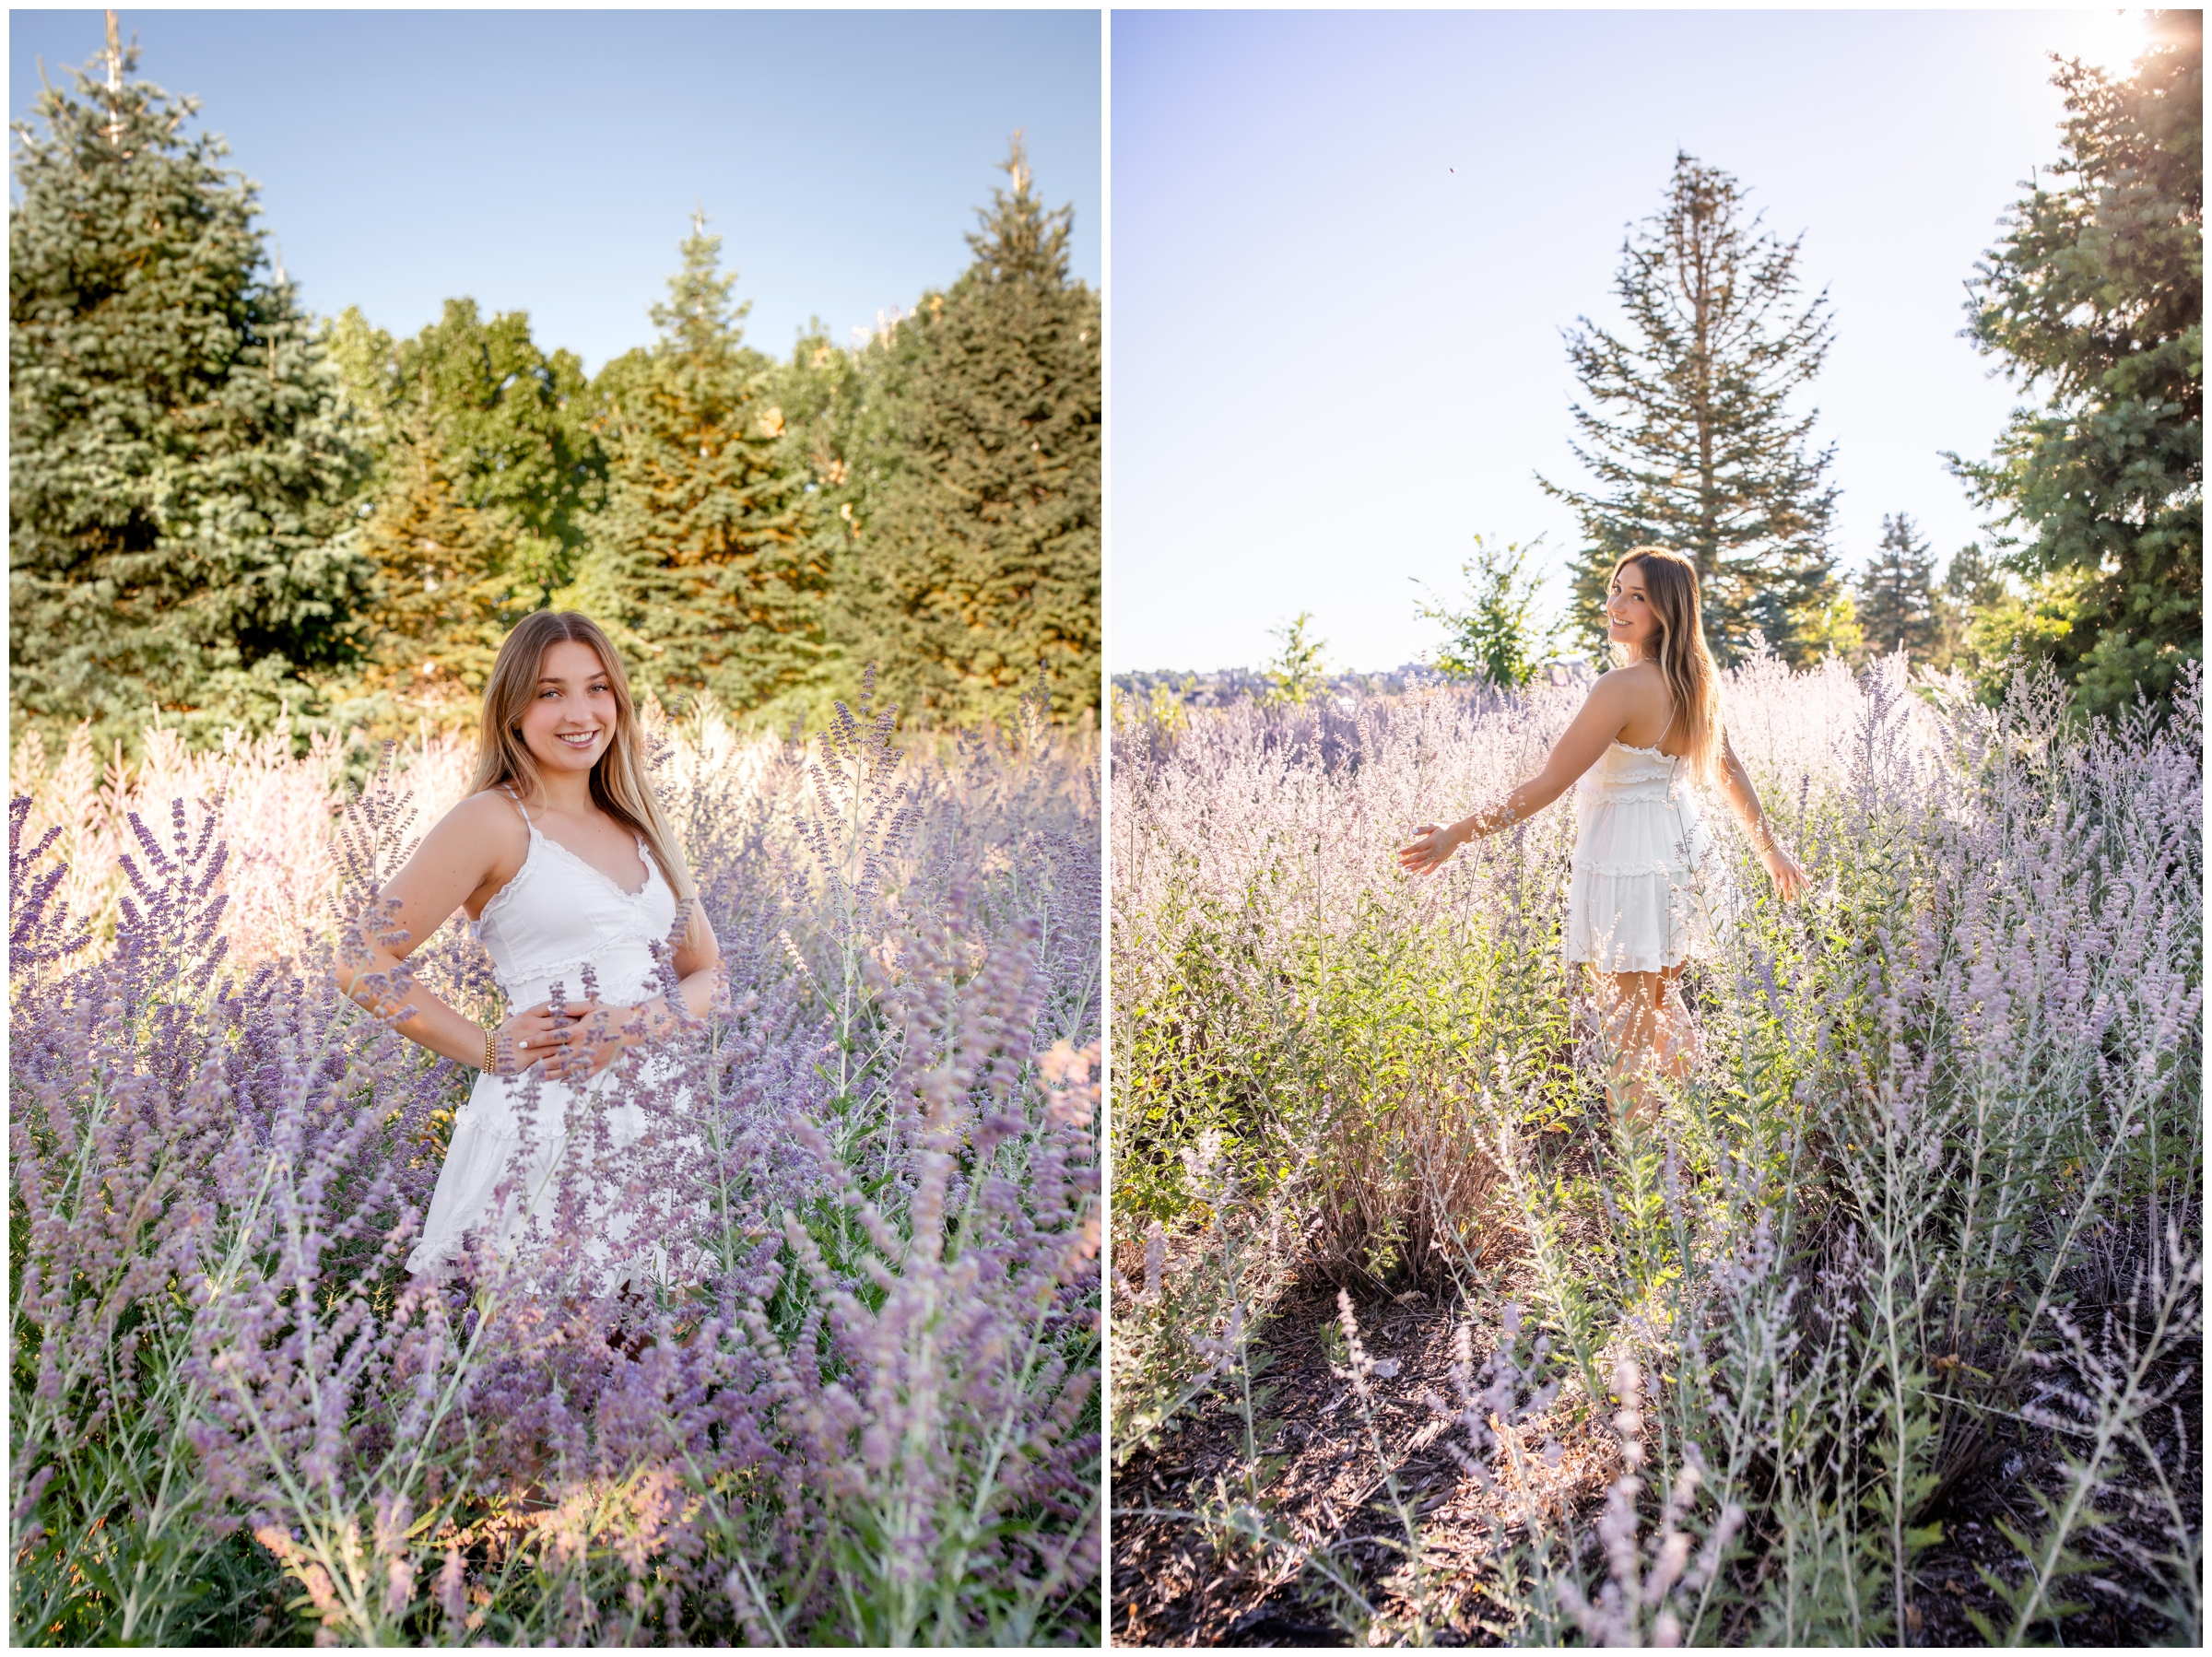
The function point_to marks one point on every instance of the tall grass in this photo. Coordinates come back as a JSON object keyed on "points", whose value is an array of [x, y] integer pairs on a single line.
{"points": [[1922, 1230], [867, 1411]]}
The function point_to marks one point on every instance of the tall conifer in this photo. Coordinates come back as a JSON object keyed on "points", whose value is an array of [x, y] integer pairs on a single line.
{"points": [[976, 561], [178, 471], [2096, 298], [444, 599], [1897, 605], [1687, 429], [700, 558]]}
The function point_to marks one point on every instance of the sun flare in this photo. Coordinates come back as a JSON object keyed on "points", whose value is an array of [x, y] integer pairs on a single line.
{"points": [[2111, 39]]}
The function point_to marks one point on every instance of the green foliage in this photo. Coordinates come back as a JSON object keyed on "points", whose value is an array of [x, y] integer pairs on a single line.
{"points": [[1896, 603], [1296, 671], [2096, 296], [973, 555], [178, 464], [226, 514], [1687, 428], [443, 598], [700, 562], [1831, 628], [1972, 588], [1494, 636], [508, 424]]}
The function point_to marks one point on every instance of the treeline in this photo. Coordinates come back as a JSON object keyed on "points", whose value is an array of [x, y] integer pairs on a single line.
{"points": [[222, 509], [1690, 430]]}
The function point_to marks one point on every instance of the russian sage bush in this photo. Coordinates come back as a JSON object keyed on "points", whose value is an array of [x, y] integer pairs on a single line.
{"points": [[852, 1400], [1926, 1221]]}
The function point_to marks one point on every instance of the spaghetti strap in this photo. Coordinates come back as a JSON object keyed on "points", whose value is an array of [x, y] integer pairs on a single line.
{"points": [[510, 792]]}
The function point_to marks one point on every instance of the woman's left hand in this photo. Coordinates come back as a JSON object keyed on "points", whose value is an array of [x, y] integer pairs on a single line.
{"points": [[1432, 844], [593, 1041], [1782, 868]]}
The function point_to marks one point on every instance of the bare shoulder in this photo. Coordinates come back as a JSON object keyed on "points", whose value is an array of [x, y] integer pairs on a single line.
{"points": [[484, 824], [1624, 689]]}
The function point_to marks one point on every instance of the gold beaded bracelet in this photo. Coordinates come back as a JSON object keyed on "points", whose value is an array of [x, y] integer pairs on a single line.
{"points": [[491, 1048]]}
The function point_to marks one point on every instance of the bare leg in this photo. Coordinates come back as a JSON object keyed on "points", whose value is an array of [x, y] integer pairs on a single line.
{"points": [[1626, 1023], [1646, 1028], [1675, 1046]]}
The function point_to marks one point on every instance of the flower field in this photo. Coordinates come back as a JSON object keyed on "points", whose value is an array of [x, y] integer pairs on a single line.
{"points": [[1886, 1331], [867, 1409]]}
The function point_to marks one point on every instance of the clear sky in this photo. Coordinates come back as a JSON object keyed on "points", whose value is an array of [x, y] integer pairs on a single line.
{"points": [[550, 161], [1345, 245]]}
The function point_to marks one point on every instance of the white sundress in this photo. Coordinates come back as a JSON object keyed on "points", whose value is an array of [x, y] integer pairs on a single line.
{"points": [[558, 915], [1647, 890]]}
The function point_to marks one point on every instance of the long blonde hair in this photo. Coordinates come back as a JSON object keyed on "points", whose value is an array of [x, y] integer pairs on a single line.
{"points": [[1692, 680], [618, 784]]}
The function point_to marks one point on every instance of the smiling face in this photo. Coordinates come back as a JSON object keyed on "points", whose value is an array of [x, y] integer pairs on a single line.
{"points": [[572, 715], [1630, 618]]}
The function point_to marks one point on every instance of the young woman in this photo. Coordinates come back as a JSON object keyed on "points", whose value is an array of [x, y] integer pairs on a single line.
{"points": [[563, 859], [1639, 903]]}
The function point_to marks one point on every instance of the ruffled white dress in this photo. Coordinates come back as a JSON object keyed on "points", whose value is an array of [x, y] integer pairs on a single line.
{"points": [[558, 915], [1647, 890]]}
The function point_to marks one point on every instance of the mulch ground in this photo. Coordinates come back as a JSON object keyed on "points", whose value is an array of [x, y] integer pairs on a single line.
{"points": [[1170, 1587]]}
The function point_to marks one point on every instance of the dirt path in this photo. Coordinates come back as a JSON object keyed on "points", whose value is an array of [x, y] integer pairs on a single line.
{"points": [[1171, 1586]]}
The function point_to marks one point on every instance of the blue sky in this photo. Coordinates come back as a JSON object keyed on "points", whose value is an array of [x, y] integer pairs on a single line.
{"points": [[1344, 245], [549, 161]]}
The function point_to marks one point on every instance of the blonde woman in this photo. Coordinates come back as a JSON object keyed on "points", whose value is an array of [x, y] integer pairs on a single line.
{"points": [[1641, 898], [563, 859]]}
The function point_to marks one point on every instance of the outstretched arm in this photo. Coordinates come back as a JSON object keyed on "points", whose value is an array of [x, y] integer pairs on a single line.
{"points": [[1603, 712], [1743, 799]]}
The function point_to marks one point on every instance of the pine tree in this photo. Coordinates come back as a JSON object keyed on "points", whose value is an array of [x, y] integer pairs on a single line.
{"points": [[1896, 595], [2097, 297], [178, 468], [444, 599], [700, 559], [976, 558], [1687, 428]]}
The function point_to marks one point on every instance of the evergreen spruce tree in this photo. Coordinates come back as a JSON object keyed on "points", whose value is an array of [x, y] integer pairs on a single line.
{"points": [[444, 599], [1897, 606], [178, 469], [1687, 429], [976, 558], [702, 559], [2096, 298]]}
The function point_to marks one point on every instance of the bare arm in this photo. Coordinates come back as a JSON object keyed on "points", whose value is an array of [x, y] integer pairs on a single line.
{"points": [[471, 854], [477, 845], [1743, 799], [1604, 714]]}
